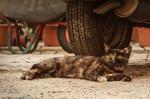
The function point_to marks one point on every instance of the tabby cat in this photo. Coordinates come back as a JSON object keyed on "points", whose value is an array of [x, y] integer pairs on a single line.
{"points": [[109, 67]]}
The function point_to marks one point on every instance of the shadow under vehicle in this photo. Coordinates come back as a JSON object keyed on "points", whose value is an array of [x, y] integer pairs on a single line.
{"points": [[91, 23]]}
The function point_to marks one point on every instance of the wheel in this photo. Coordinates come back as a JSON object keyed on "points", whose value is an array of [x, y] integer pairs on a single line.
{"points": [[117, 32], [89, 31], [62, 36], [83, 28]]}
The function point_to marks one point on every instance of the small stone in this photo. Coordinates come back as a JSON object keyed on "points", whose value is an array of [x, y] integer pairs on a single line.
{"points": [[42, 94], [11, 86]]}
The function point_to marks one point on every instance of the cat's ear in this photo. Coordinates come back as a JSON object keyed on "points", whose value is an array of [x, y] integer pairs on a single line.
{"points": [[127, 50]]}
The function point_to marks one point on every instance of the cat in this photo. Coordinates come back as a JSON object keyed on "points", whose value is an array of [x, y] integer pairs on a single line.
{"points": [[109, 67]]}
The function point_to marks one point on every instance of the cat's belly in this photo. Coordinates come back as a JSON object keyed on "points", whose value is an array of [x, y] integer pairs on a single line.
{"points": [[73, 67], [70, 71]]}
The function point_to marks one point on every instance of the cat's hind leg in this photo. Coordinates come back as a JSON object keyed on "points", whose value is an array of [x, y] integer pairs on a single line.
{"points": [[39, 70], [114, 77]]}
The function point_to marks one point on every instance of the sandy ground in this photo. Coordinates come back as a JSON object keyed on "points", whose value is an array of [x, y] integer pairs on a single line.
{"points": [[11, 87]]}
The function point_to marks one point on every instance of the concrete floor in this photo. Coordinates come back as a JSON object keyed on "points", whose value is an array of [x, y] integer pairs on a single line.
{"points": [[11, 87]]}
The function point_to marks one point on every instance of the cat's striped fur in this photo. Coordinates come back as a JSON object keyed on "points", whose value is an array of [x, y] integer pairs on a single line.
{"points": [[109, 67]]}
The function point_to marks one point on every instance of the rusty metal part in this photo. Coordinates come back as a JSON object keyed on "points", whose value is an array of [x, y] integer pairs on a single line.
{"points": [[142, 13], [127, 8], [34, 41], [107, 6]]}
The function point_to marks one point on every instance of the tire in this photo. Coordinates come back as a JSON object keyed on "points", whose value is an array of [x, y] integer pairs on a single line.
{"points": [[89, 31], [117, 32], [83, 28], [62, 38]]}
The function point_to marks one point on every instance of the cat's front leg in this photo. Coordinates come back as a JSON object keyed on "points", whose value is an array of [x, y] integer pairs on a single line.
{"points": [[38, 70], [30, 74], [114, 77]]}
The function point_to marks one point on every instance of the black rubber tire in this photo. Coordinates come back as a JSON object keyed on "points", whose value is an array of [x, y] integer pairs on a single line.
{"points": [[83, 27], [117, 31], [61, 36], [88, 29]]}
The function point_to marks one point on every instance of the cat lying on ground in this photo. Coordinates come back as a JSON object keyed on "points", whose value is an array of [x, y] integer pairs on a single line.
{"points": [[109, 67]]}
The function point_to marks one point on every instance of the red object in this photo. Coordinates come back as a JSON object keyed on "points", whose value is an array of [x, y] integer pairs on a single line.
{"points": [[135, 36], [144, 36], [4, 34], [67, 36], [50, 35], [23, 41]]}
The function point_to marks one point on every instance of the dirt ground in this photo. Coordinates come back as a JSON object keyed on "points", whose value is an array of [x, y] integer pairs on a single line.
{"points": [[11, 87]]}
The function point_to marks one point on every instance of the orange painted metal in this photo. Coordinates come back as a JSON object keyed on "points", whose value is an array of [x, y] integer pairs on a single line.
{"points": [[50, 33], [144, 36]]}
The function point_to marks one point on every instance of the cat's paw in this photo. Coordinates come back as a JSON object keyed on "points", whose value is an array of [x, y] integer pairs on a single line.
{"points": [[102, 79], [23, 77], [28, 75], [126, 79]]}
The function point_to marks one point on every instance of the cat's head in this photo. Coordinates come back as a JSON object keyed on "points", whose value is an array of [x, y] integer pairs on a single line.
{"points": [[123, 52], [117, 58], [126, 52]]}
